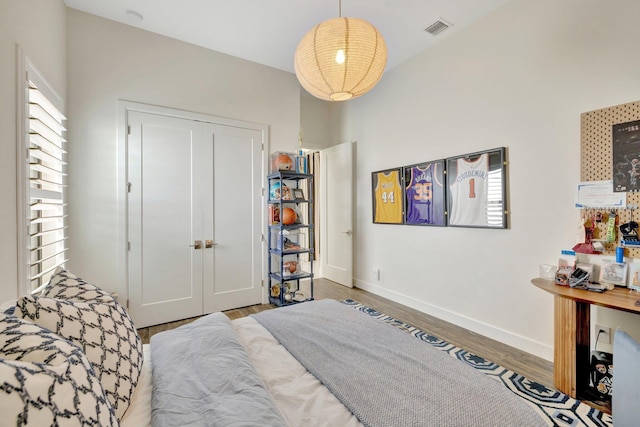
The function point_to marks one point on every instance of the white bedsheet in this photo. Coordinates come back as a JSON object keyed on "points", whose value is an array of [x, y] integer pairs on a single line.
{"points": [[300, 397]]}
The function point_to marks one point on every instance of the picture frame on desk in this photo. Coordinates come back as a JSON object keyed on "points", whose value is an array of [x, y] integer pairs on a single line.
{"points": [[634, 276], [614, 273]]}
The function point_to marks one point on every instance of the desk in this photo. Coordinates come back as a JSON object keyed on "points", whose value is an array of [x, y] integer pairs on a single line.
{"points": [[571, 330]]}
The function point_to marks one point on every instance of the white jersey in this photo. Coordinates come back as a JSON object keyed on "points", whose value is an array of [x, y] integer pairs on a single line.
{"points": [[469, 192]]}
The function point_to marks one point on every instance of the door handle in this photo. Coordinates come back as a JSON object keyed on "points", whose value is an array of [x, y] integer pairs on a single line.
{"points": [[348, 232], [209, 244], [197, 244]]}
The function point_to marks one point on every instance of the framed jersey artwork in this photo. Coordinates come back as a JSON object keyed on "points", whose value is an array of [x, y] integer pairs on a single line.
{"points": [[476, 185], [388, 196], [424, 194]]}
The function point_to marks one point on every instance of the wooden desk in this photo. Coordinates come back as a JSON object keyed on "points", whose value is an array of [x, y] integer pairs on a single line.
{"points": [[571, 330]]}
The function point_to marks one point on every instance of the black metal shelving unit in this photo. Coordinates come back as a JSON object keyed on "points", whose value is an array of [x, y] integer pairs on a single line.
{"points": [[288, 243]]}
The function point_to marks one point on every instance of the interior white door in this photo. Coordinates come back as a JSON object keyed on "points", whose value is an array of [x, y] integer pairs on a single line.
{"points": [[194, 218], [233, 276], [166, 175], [336, 219]]}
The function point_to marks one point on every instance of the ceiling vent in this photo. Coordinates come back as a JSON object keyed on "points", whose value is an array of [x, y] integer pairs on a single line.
{"points": [[437, 27]]}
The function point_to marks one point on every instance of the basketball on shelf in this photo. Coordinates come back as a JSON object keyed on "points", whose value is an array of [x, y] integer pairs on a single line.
{"points": [[288, 216], [284, 162]]}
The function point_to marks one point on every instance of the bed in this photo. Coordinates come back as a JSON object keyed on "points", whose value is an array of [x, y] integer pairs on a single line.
{"points": [[319, 363]]}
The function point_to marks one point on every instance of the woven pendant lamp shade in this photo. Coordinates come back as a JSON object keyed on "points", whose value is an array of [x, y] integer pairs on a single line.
{"points": [[340, 59]]}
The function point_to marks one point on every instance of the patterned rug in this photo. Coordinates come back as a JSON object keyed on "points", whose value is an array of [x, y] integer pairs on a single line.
{"points": [[557, 408]]}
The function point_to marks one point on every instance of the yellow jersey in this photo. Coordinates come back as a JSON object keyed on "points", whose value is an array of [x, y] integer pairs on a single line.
{"points": [[388, 194]]}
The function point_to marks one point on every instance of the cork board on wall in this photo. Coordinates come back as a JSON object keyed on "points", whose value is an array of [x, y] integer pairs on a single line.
{"points": [[596, 152]]}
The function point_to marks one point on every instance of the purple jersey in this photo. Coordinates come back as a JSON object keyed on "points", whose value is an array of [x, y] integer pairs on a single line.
{"points": [[425, 196]]}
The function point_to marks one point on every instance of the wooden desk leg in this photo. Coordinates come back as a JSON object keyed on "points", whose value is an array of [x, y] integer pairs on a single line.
{"points": [[571, 346]]}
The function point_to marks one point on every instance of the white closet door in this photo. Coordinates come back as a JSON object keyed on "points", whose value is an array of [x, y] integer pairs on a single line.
{"points": [[233, 272], [165, 205]]}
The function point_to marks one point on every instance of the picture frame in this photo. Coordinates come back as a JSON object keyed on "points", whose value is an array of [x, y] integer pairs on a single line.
{"points": [[614, 273], [298, 194], [626, 156], [425, 193], [387, 191], [477, 189], [634, 276]]}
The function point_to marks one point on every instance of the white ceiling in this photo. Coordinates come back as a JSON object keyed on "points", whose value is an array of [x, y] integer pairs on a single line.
{"points": [[268, 31]]}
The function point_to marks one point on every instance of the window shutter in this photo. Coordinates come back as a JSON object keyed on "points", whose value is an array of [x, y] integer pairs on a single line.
{"points": [[45, 181]]}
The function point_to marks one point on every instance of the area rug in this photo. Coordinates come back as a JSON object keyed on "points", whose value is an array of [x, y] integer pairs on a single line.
{"points": [[557, 408]]}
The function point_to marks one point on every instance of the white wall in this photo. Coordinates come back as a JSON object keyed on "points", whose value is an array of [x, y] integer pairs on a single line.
{"points": [[518, 78], [108, 62], [39, 27], [315, 121]]}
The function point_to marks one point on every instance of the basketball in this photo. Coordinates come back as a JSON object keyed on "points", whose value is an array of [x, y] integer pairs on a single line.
{"points": [[288, 216], [284, 162]]}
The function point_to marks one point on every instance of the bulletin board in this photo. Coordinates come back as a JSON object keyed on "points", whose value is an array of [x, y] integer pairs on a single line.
{"points": [[596, 152]]}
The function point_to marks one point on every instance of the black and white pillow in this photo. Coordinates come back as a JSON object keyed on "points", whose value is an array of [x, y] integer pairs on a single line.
{"points": [[66, 285], [104, 331], [46, 380]]}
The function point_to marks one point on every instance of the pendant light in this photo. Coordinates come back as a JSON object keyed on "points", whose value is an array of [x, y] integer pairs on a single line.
{"points": [[340, 59]]}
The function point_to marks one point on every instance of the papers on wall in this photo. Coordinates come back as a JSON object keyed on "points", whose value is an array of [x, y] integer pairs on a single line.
{"points": [[599, 194]]}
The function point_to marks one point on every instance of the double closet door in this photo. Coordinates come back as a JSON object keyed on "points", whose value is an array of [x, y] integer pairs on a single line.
{"points": [[194, 217]]}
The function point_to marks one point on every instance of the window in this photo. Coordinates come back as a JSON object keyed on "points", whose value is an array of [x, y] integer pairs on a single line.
{"points": [[41, 179]]}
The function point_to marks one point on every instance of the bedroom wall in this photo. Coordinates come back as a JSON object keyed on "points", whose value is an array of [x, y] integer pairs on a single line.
{"points": [[39, 27], [315, 121], [518, 78], [108, 62]]}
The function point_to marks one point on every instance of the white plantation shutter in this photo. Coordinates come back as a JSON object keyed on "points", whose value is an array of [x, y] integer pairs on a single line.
{"points": [[43, 226]]}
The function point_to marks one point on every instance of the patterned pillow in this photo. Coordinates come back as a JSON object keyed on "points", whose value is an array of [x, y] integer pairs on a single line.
{"points": [[65, 285], [46, 380], [103, 330]]}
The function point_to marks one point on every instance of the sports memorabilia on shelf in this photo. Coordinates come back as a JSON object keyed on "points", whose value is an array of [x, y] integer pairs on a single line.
{"points": [[282, 161], [424, 194], [291, 237], [476, 185], [388, 196]]}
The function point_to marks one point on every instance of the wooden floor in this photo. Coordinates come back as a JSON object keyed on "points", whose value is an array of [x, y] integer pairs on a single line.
{"points": [[530, 366]]}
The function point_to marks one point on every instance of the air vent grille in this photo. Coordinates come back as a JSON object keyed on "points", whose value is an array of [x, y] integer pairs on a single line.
{"points": [[436, 28]]}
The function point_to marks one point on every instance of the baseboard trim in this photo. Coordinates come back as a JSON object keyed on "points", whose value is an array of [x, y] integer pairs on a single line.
{"points": [[515, 340]]}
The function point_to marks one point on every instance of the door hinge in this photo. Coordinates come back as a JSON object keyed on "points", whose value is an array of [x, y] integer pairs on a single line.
{"points": [[128, 187], [127, 305], [128, 246], [262, 282], [128, 129]]}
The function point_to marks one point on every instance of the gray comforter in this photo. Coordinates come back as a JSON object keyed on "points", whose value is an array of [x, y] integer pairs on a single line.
{"points": [[202, 376], [388, 378]]}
